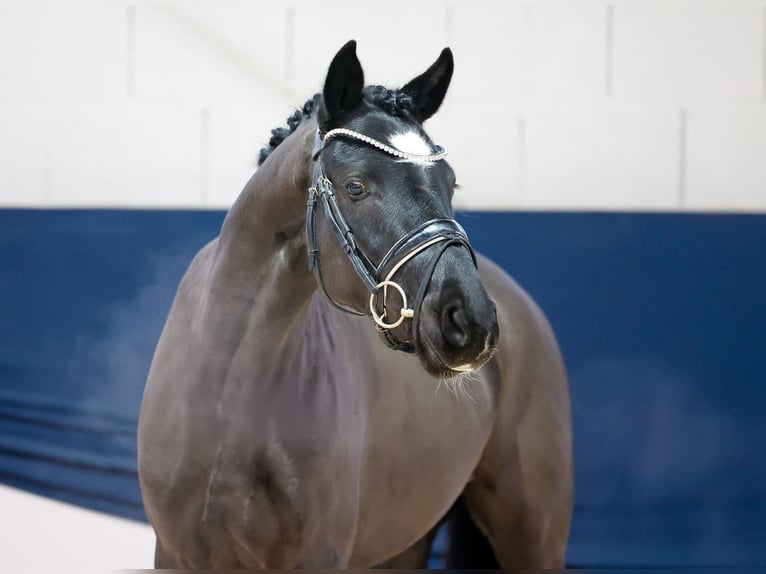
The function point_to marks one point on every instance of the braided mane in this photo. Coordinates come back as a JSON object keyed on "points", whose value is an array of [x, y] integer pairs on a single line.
{"points": [[392, 102]]}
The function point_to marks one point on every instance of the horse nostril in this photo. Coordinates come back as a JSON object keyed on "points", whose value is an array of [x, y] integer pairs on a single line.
{"points": [[454, 325]]}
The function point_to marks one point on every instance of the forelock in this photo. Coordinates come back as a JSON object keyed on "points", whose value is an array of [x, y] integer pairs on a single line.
{"points": [[392, 102]]}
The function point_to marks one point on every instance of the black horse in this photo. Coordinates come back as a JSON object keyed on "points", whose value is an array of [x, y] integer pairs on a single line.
{"points": [[281, 427]]}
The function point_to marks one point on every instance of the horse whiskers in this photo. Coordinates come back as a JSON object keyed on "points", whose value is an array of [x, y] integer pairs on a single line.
{"points": [[462, 382], [457, 384], [459, 381]]}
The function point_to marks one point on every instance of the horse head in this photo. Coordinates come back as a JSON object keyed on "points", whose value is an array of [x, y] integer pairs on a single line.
{"points": [[388, 245]]}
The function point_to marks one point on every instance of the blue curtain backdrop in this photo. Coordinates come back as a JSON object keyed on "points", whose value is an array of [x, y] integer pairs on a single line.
{"points": [[661, 319]]}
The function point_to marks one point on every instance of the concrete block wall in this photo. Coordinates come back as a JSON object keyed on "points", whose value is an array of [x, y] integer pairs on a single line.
{"points": [[555, 104]]}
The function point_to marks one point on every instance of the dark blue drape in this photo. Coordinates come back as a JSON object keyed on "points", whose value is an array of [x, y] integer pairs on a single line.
{"points": [[661, 318]]}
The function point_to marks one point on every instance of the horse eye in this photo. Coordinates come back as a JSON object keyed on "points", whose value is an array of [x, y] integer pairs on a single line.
{"points": [[356, 188]]}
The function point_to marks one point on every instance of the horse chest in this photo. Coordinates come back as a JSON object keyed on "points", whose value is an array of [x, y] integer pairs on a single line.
{"points": [[426, 443], [371, 463]]}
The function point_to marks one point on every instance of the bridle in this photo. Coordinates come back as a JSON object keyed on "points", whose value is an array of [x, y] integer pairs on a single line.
{"points": [[443, 232]]}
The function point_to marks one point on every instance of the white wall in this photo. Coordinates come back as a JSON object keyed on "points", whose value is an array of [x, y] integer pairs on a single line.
{"points": [[556, 104]]}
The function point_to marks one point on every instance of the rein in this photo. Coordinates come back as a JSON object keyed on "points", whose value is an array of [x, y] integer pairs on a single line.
{"points": [[377, 278]]}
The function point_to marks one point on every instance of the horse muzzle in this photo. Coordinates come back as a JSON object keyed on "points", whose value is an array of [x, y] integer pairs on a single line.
{"points": [[459, 330]]}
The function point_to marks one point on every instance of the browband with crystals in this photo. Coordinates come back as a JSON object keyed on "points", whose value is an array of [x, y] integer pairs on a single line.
{"points": [[440, 152]]}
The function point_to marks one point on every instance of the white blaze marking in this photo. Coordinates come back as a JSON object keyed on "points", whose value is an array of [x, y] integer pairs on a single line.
{"points": [[410, 142]]}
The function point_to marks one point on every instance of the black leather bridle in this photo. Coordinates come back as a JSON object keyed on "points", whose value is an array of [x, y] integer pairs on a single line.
{"points": [[442, 232]]}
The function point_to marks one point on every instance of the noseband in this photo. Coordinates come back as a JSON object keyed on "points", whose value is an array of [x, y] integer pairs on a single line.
{"points": [[378, 278]]}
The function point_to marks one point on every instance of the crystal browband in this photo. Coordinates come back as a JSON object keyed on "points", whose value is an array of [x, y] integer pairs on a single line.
{"points": [[439, 155]]}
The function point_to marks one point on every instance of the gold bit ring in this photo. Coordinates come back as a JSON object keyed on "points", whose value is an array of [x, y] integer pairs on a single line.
{"points": [[405, 312]]}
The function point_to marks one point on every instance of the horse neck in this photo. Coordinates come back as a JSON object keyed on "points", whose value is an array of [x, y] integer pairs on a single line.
{"points": [[262, 244], [274, 200]]}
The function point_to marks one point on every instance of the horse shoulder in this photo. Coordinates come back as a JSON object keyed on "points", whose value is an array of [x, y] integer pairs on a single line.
{"points": [[522, 487], [166, 435], [533, 403], [528, 354]]}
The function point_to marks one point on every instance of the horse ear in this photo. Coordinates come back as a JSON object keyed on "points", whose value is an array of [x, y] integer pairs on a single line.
{"points": [[430, 87], [343, 85]]}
